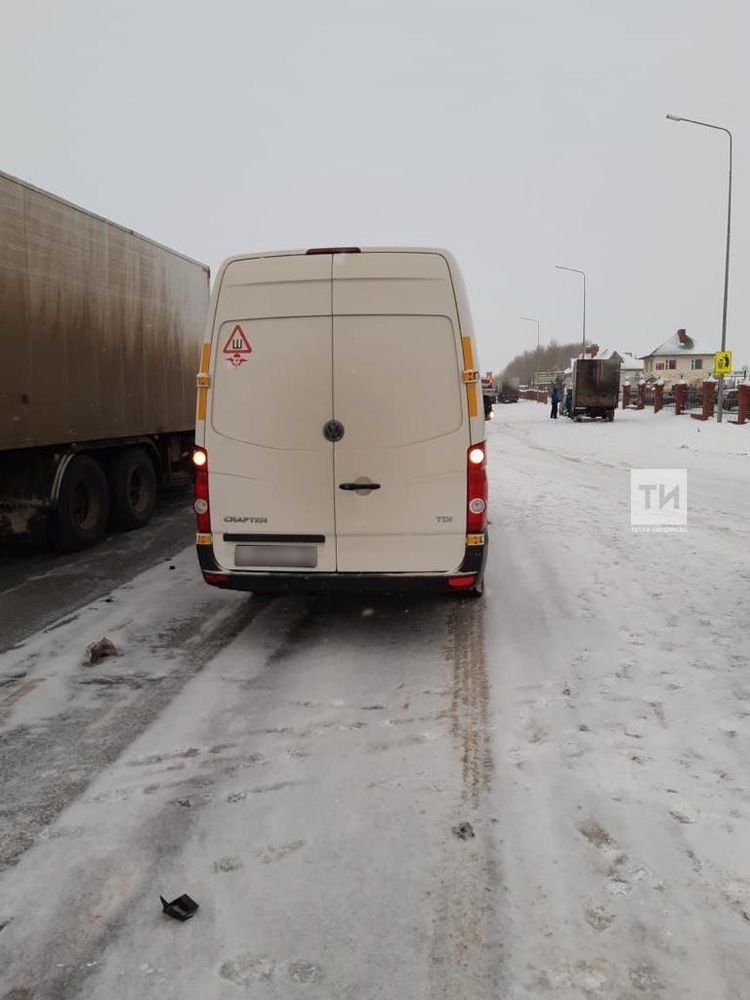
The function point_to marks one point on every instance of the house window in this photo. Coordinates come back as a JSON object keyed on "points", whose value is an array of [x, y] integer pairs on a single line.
{"points": [[696, 364], [660, 366], [670, 364]]}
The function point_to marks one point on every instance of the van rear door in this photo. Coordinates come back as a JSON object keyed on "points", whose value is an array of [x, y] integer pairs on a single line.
{"points": [[400, 467], [270, 465]]}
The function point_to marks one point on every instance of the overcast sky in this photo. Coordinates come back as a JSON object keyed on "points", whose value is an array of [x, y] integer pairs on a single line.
{"points": [[519, 135]]}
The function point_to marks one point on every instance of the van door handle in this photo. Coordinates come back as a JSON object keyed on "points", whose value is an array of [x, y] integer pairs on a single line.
{"points": [[359, 486]]}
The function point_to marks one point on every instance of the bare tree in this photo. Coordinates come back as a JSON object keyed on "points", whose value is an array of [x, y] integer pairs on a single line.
{"points": [[552, 357]]}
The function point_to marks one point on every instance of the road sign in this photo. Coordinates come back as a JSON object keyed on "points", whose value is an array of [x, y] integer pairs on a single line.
{"points": [[236, 347], [723, 363]]}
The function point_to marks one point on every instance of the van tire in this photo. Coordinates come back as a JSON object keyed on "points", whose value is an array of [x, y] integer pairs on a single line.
{"points": [[133, 489], [80, 519]]}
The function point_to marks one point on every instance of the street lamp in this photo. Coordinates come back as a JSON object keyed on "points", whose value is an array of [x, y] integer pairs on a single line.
{"points": [[530, 319], [720, 128], [575, 270]]}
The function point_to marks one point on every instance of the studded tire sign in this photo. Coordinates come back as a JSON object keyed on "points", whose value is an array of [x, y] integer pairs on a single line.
{"points": [[237, 347]]}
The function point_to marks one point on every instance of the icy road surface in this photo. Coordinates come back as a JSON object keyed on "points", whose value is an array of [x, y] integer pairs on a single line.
{"points": [[303, 767]]}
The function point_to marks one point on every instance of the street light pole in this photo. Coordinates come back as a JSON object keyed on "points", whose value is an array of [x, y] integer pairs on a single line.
{"points": [[575, 270], [531, 319], [720, 128]]}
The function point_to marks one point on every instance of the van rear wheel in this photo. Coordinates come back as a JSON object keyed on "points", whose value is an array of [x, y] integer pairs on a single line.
{"points": [[133, 488], [82, 505]]}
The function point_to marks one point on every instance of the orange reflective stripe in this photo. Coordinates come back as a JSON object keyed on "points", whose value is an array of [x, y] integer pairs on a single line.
{"points": [[472, 392], [200, 408], [205, 358]]}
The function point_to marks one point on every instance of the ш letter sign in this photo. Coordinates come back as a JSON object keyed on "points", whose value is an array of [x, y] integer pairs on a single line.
{"points": [[237, 347]]}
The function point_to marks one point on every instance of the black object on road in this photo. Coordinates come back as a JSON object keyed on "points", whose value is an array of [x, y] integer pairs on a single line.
{"points": [[181, 908], [464, 831]]}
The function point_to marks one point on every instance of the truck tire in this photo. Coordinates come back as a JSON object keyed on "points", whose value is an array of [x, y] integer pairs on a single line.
{"points": [[132, 485], [82, 505]]}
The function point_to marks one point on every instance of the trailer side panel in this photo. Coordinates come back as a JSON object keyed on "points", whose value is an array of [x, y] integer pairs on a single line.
{"points": [[100, 328]]}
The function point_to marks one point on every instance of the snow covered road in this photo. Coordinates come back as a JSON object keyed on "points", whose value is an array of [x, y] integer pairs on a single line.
{"points": [[302, 767]]}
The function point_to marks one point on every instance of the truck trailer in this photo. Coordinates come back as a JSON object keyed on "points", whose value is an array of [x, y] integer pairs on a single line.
{"points": [[100, 330], [596, 388], [507, 389]]}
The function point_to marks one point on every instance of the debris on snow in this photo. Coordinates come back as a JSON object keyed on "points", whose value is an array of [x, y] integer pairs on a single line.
{"points": [[97, 651], [181, 908], [464, 831]]}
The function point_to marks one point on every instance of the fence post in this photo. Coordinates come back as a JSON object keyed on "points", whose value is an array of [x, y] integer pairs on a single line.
{"points": [[709, 397], [641, 395], [658, 396], [743, 402], [625, 395], [680, 397]]}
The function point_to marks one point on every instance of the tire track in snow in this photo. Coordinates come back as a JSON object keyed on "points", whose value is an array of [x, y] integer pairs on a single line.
{"points": [[470, 699], [466, 953]]}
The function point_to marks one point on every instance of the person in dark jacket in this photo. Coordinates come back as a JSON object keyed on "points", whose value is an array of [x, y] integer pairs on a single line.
{"points": [[555, 401]]}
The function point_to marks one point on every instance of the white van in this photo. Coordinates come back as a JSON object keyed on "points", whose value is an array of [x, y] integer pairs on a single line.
{"points": [[340, 428]]}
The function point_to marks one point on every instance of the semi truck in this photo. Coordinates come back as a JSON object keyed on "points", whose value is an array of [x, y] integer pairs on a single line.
{"points": [[100, 330], [596, 388]]}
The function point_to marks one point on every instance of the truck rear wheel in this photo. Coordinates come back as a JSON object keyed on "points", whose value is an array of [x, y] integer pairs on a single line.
{"points": [[83, 504], [133, 489]]}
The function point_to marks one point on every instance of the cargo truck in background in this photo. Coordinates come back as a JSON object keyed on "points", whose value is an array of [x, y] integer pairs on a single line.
{"points": [[507, 389], [596, 388], [100, 332]]}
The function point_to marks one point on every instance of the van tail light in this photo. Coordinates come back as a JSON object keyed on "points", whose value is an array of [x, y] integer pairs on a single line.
{"points": [[200, 494], [476, 493]]}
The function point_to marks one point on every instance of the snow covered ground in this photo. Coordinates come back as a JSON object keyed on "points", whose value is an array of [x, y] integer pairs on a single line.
{"points": [[302, 766], [621, 697]]}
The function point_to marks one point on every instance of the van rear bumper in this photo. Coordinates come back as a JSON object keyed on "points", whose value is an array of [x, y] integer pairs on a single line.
{"points": [[470, 570]]}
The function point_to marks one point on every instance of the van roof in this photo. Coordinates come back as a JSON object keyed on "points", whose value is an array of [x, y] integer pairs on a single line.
{"points": [[343, 248]]}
